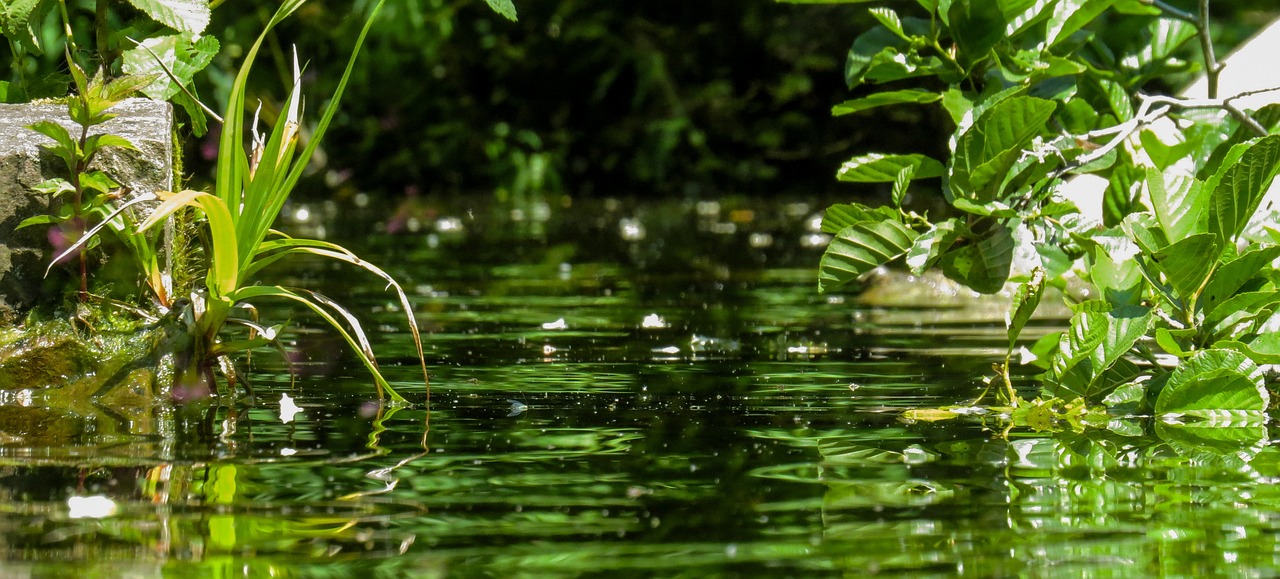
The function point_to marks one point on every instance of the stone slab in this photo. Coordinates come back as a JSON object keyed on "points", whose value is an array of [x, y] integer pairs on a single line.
{"points": [[24, 254]]}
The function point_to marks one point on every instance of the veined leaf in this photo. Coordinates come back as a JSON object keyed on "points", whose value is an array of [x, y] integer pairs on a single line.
{"points": [[880, 99], [901, 183], [984, 265], [1241, 186], [1213, 383], [1181, 204], [860, 248], [1070, 16], [1233, 275], [841, 215], [1089, 362], [1025, 301], [191, 16], [994, 143], [1186, 264], [503, 7], [1239, 308], [880, 168], [930, 246]]}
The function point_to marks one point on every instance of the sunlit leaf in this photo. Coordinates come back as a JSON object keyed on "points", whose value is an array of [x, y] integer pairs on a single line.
{"points": [[1241, 185], [928, 247], [191, 16], [880, 168], [504, 7], [860, 248], [1234, 274], [1180, 202], [1186, 264], [841, 215], [1214, 384], [885, 98], [994, 144], [984, 265], [1025, 301]]}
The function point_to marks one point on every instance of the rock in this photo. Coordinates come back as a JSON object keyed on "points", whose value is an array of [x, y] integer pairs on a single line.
{"points": [[24, 254]]}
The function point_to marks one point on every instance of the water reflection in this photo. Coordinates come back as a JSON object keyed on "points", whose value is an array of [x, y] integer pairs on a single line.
{"points": [[694, 409]]}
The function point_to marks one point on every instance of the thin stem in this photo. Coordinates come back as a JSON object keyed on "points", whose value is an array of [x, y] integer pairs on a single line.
{"points": [[1174, 12], [1212, 68], [101, 32]]}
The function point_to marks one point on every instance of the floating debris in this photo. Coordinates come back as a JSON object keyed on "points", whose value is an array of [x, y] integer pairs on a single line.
{"points": [[653, 321], [288, 410], [94, 507], [517, 408], [556, 325]]}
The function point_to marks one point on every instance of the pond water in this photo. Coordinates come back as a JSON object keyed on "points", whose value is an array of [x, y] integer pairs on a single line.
{"points": [[637, 389]]}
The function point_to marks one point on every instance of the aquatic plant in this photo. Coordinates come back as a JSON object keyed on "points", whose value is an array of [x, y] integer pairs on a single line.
{"points": [[1179, 255], [250, 190]]}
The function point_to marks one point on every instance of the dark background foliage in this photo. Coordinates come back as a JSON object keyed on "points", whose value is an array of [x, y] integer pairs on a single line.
{"points": [[577, 97]]}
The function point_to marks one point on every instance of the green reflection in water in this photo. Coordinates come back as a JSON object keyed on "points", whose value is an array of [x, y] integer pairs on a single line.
{"points": [[755, 431]]}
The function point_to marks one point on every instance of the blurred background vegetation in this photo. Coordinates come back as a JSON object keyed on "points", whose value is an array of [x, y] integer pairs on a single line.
{"points": [[577, 98]]}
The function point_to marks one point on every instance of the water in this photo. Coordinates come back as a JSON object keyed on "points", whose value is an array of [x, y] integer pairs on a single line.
{"points": [[627, 389]]}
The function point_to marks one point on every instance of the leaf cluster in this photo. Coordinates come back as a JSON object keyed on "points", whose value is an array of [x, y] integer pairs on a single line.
{"points": [[1036, 98]]}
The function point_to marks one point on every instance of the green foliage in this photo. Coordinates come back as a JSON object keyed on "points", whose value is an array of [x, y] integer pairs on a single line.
{"points": [[250, 191], [1179, 261], [87, 196]]}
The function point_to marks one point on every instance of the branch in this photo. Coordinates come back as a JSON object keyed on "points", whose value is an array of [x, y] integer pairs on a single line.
{"points": [[1212, 68]]}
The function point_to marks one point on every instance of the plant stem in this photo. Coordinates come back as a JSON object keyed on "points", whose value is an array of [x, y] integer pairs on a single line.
{"points": [[101, 32], [1212, 68]]}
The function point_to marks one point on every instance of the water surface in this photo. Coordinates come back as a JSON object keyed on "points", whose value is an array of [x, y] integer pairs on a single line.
{"points": [[644, 389]]}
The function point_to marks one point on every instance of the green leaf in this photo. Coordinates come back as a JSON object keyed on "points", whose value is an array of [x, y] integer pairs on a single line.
{"points": [[66, 144], [880, 55], [96, 142], [976, 27], [1070, 16], [930, 246], [1186, 264], [990, 148], [1114, 272], [1233, 275], [1241, 187], [503, 7], [860, 248], [170, 61], [98, 181], [1025, 301], [1214, 384], [901, 183], [841, 215], [190, 16], [20, 19], [1088, 362], [1181, 204], [1241, 307], [984, 265], [880, 99], [880, 168], [1168, 340], [37, 220]]}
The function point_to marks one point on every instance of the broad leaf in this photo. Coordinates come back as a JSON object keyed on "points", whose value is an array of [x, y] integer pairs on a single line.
{"points": [[885, 98], [984, 265], [993, 144], [1180, 202], [880, 168], [1186, 264], [860, 248], [1242, 307], [841, 215], [1233, 275], [930, 246], [901, 183], [1214, 384], [190, 16], [503, 7], [1025, 301], [1070, 16], [1241, 186]]}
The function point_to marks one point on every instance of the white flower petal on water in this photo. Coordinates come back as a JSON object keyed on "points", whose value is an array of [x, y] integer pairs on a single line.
{"points": [[94, 507], [653, 321], [288, 410], [556, 325]]}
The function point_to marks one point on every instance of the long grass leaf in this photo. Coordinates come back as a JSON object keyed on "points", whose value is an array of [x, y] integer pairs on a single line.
{"points": [[224, 261], [360, 346], [278, 248]]}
